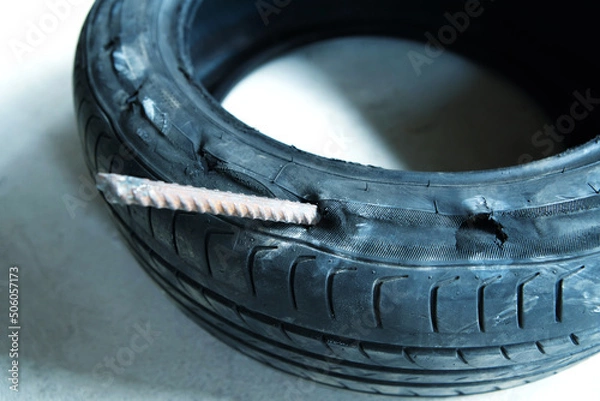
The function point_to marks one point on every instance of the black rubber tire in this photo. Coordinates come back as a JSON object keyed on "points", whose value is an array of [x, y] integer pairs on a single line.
{"points": [[412, 283]]}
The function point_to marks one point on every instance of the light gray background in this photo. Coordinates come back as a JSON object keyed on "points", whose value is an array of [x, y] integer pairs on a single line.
{"points": [[82, 293]]}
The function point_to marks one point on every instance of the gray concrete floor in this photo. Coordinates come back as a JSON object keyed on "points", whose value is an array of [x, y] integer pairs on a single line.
{"points": [[83, 298]]}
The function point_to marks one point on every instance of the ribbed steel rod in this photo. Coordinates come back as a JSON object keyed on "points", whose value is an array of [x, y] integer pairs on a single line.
{"points": [[127, 190]]}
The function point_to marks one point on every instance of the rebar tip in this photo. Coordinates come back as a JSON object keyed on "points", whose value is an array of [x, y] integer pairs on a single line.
{"points": [[106, 183]]}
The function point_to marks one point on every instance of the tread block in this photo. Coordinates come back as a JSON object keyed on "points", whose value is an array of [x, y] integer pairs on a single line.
{"points": [[141, 217], [457, 307], [578, 295], [356, 309], [400, 309], [524, 353], [484, 357], [272, 276], [534, 301], [501, 304], [193, 291], [349, 352], [436, 359], [389, 356], [225, 264], [214, 255], [309, 290], [104, 153], [271, 331], [94, 129], [225, 311], [158, 266], [314, 343], [161, 221]]}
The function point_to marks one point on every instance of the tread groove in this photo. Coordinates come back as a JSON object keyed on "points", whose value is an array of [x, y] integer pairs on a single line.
{"points": [[285, 334], [433, 302], [559, 294], [481, 303], [327, 346], [362, 350], [408, 357], [481, 308], [174, 233], [521, 299], [433, 305], [461, 357], [374, 390], [376, 297], [150, 225], [292, 278], [329, 287], [574, 339], [207, 238], [202, 292], [96, 146], [540, 347], [250, 264], [238, 313]]}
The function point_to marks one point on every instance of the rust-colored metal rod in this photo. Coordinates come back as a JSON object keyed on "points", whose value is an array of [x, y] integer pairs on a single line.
{"points": [[127, 190]]}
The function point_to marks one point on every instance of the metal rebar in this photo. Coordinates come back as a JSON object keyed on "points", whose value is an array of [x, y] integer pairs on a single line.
{"points": [[127, 190]]}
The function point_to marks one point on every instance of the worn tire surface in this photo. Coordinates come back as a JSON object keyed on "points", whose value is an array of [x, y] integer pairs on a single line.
{"points": [[412, 283]]}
